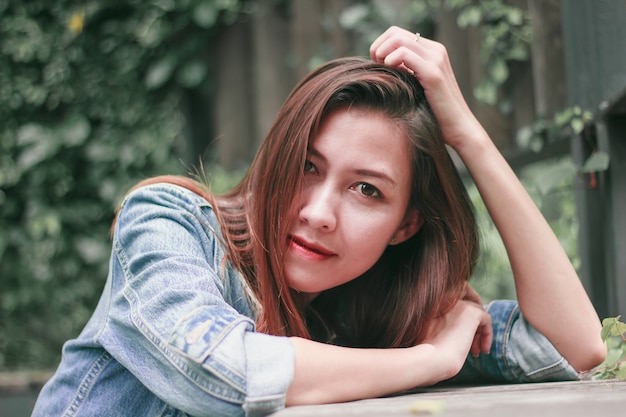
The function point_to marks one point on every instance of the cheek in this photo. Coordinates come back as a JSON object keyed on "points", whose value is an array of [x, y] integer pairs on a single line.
{"points": [[367, 238], [372, 225]]}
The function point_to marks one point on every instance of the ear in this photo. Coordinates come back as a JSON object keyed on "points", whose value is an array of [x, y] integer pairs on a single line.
{"points": [[411, 224]]}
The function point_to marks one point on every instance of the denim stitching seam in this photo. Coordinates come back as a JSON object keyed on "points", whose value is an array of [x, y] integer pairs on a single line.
{"points": [[87, 383]]}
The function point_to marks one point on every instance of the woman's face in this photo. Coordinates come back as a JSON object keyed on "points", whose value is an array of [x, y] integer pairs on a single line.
{"points": [[354, 200]]}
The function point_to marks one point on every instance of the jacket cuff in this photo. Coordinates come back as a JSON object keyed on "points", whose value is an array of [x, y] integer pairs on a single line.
{"points": [[269, 370], [531, 357]]}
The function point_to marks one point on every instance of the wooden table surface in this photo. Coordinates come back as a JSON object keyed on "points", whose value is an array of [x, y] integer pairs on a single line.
{"points": [[558, 399]]}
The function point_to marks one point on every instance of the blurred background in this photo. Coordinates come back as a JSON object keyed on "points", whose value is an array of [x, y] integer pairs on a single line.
{"points": [[96, 95]]}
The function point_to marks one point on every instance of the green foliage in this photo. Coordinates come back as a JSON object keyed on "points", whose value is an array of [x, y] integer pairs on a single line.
{"points": [[571, 120], [553, 193], [492, 277], [367, 19], [222, 180], [506, 35], [613, 327], [614, 335], [505, 30], [565, 123], [90, 97]]}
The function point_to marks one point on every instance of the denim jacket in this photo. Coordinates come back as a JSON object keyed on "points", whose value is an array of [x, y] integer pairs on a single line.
{"points": [[173, 333]]}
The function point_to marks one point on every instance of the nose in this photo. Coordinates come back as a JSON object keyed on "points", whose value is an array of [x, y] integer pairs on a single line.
{"points": [[319, 205]]}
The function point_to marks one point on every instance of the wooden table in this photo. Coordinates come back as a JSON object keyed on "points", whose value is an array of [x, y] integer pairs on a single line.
{"points": [[558, 399]]}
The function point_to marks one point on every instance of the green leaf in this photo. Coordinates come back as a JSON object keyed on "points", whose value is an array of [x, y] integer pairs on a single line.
{"points": [[353, 15], [456, 4], [165, 5], [536, 143], [486, 92], [205, 14], [614, 353], [75, 131], [40, 143], [577, 125], [159, 73], [606, 327], [31, 133], [612, 326], [605, 333], [598, 161], [555, 175], [192, 74], [471, 16], [524, 136], [499, 71], [621, 371], [91, 250], [564, 116], [518, 52], [151, 30], [515, 16], [48, 224]]}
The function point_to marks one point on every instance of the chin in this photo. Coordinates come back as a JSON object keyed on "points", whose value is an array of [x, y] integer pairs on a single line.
{"points": [[306, 289]]}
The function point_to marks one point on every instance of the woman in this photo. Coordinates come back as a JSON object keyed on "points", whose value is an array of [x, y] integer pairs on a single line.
{"points": [[336, 270]]}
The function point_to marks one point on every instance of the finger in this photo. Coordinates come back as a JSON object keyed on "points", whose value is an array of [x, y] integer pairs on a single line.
{"points": [[387, 43], [476, 348], [486, 334], [390, 43], [375, 48], [407, 41], [423, 65], [486, 340], [442, 91]]}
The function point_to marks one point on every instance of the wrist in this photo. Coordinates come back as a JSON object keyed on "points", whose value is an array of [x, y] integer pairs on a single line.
{"points": [[433, 366], [473, 145]]}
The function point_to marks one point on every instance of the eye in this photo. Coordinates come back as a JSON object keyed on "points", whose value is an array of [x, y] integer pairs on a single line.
{"points": [[368, 190], [308, 167]]}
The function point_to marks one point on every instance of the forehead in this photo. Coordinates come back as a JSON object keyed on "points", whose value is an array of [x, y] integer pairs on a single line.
{"points": [[367, 123], [364, 137]]}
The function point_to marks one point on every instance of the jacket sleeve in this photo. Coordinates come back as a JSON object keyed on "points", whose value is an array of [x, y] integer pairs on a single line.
{"points": [[519, 352], [169, 322]]}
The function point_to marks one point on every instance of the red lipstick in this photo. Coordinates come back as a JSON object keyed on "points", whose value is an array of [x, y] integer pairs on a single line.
{"points": [[308, 249]]}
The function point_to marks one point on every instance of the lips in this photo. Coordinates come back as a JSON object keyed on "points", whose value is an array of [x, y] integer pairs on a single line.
{"points": [[308, 249]]}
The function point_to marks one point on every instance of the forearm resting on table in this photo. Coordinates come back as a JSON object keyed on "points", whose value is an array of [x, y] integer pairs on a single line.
{"points": [[549, 292], [329, 374]]}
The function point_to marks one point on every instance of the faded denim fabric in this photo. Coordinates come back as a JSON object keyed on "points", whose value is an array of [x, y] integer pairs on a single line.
{"points": [[519, 353], [173, 333]]}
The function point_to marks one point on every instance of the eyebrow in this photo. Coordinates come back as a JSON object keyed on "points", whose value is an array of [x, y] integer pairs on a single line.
{"points": [[365, 172], [376, 174]]}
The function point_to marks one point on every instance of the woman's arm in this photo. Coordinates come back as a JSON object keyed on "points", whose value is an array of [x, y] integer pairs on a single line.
{"points": [[168, 319], [327, 374], [549, 291]]}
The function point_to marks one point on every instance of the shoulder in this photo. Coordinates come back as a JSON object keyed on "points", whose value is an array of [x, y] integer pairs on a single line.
{"points": [[165, 193], [166, 200]]}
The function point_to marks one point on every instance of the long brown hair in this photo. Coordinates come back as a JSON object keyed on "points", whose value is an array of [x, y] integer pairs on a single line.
{"points": [[390, 304]]}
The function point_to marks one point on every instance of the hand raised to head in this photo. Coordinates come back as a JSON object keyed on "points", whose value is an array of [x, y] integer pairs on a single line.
{"points": [[428, 61]]}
